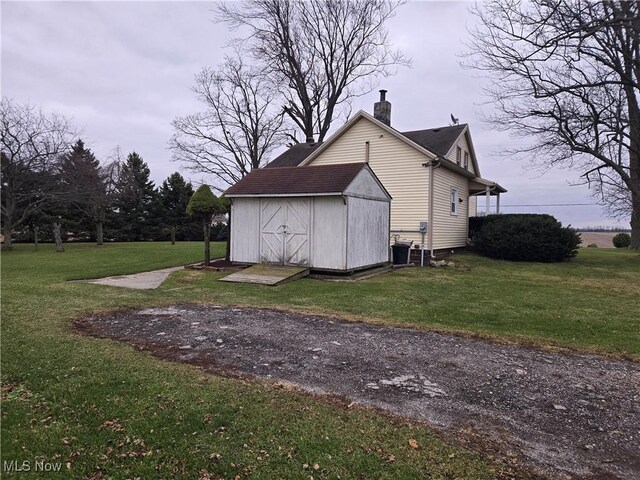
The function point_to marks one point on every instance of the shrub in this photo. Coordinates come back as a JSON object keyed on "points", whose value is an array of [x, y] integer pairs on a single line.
{"points": [[592, 245], [622, 240], [475, 225], [526, 237]]}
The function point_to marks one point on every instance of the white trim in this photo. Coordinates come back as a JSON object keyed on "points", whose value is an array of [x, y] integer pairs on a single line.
{"points": [[454, 198]]}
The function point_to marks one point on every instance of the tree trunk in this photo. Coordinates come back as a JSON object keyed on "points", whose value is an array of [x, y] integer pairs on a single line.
{"points": [[173, 234], [35, 237], [99, 234], [57, 235], [7, 218], [7, 245], [206, 228], [635, 221]]}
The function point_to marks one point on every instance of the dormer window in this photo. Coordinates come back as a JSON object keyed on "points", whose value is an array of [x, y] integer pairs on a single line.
{"points": [[466, 160], [458, 155]]}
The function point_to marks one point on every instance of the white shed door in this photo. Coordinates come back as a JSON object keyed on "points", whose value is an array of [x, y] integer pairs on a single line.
{"points": [[284, 231]]}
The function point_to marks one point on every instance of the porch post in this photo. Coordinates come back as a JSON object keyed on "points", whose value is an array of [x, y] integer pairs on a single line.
{"points": [[498, 203], [488, 198]]}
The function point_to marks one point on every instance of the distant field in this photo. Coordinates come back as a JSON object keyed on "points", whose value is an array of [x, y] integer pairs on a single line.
{"points": [[602, 239]]}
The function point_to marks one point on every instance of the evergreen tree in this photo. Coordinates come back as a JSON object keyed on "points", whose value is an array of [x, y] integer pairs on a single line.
{"points": [[85, 192], [175, 193], [136, 202]]}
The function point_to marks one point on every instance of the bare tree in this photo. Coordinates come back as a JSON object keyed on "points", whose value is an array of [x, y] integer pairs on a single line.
{"points": [[237, 131], [31, 142], [320, 54], [567, 74]]}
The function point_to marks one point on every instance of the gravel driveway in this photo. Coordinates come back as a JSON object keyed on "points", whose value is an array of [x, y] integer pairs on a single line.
{"points": [[566, 415]]}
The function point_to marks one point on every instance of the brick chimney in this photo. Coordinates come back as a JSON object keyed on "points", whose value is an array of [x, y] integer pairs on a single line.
{"points": [[382, 109]]}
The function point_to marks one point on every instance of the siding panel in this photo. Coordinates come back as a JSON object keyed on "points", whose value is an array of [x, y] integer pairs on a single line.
{"points": [[328, 238], [366, 185], [396, 164], [367, 240], [450, 230], [245, 230]]}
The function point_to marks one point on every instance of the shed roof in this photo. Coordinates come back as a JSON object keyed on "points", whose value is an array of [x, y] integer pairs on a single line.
{"points": [[322, 179]]}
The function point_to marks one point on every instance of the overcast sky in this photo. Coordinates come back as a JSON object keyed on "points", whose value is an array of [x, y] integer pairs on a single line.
{"points": [[123, 71]]}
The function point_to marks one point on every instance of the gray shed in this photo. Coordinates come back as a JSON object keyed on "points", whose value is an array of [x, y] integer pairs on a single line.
{"points": [[329, 217]]}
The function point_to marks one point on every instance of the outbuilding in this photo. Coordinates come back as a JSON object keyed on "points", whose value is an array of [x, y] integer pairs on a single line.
{"points": [[329, 217]]}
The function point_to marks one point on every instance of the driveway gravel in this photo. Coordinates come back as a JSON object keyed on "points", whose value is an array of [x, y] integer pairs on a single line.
{"points": [[567, 416]]}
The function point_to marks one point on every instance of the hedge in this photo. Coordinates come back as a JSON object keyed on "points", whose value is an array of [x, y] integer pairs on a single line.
{"points": [[523, 237]]}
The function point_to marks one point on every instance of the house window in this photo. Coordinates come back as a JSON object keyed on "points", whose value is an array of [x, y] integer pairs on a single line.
{"points": [[454, 201], [458, 155], [466, 160]]}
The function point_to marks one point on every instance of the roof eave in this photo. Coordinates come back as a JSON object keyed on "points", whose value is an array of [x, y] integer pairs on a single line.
{"points": [[493, 187], [449, 165], [262, 195]]}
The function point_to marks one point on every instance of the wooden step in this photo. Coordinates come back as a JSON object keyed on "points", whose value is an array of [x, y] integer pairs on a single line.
{"points": [[264, 274]]}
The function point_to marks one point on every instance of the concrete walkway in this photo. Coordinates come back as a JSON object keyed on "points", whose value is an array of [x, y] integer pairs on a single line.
{"points": [[139, 281]]}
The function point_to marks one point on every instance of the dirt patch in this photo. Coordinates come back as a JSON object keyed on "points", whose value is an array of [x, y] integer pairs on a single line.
{"points": [[574, 416]]}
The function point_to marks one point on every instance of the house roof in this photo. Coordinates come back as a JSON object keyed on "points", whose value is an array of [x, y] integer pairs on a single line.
{"points": [[293, 156], [437, 140], [313, 180]]}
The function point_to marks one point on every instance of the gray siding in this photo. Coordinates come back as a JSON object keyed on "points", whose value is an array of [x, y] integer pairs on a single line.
{"points": [[365, 185], [245, 230], [368, 232], [328, 239]]}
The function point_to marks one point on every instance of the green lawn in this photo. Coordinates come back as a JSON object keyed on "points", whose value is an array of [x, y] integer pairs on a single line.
{"points": [[104, 408]]}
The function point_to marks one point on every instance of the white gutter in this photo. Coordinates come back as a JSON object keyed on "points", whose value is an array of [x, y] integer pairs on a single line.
{"points": [[431, 165]]}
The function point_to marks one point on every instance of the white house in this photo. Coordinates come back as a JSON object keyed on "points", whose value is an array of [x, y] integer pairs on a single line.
{"points": [[431, 174]]}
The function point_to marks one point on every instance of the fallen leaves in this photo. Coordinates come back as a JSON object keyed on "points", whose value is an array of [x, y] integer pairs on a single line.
{"points": [[413, 443], [112, 425]]}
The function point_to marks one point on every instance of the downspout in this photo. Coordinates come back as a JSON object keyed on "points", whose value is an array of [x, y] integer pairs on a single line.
{"points": [[431, 165]]}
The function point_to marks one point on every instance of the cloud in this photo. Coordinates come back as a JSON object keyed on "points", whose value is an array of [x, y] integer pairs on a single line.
{"points": [[124, 71]]}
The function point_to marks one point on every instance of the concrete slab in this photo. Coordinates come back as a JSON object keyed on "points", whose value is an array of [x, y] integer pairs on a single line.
{"points": [[267, 274], [138, 281]]}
